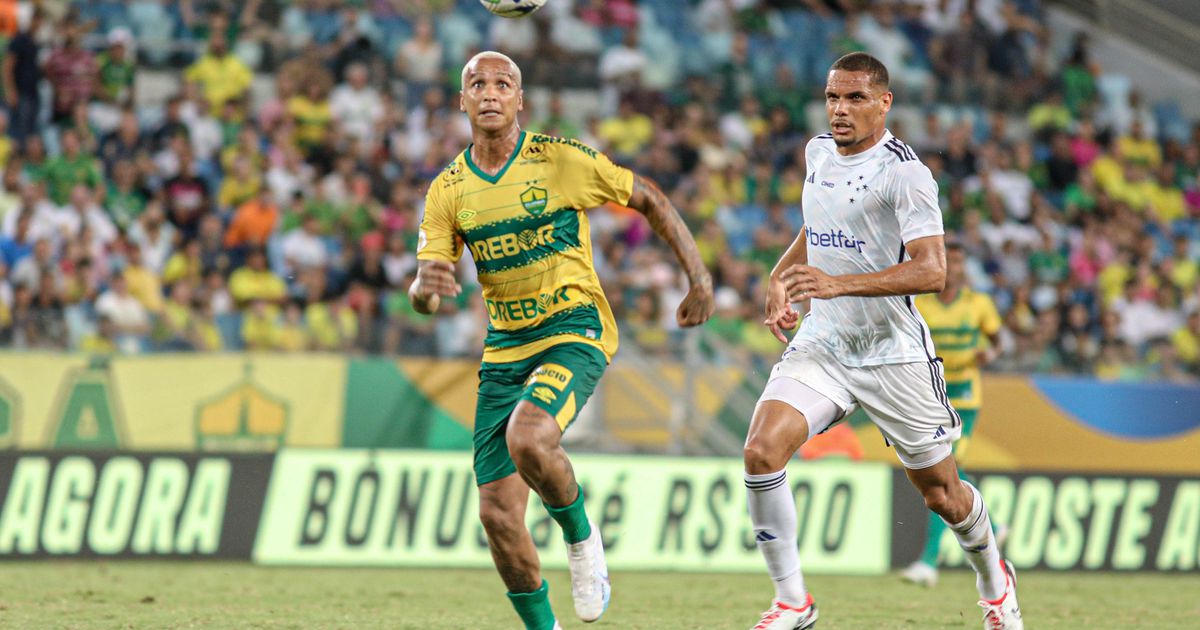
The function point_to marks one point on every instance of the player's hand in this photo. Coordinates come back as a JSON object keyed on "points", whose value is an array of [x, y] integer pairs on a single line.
{"points": [[780, 315], [435, 278], [698, 305], [804, 282]]}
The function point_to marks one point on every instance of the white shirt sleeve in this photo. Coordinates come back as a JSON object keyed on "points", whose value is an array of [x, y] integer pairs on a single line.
{"points": [[914, 197]]}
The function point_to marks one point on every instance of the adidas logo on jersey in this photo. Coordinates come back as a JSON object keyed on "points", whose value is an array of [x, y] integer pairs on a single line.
{"points": [[834, 238]]}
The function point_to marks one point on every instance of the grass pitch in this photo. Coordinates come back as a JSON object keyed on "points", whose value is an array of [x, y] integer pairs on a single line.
{"points": [[228, 595]]}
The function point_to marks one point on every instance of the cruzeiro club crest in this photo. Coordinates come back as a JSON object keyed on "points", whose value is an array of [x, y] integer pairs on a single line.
{"points": [[534, 200]]}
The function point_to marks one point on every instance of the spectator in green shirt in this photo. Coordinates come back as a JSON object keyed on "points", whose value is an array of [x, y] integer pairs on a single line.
{"points": [[117, 69], [126, 198], [71, 168]]}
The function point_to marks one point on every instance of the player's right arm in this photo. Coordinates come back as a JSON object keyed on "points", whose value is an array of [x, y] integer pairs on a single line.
{"points": [[780, 315], [438, 248]]}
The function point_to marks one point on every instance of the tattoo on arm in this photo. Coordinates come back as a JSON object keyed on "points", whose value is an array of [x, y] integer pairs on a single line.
{"points": [[651, 202]]}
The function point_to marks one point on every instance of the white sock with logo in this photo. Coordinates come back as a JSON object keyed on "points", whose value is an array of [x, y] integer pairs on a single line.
{"points": [[979, 546], [773, 514]]}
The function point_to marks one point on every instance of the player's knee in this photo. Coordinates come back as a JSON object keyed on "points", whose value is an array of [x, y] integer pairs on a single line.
{"points": [[496, 517], [937, 499], [530, 436], [759, 458]]}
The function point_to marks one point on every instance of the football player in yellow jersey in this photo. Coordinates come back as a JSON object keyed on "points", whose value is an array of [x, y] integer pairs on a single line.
{"points": [[965, 327], [517, 201]]}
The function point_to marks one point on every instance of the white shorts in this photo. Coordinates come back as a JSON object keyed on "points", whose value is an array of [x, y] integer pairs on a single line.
{"points": [[906, 401]]}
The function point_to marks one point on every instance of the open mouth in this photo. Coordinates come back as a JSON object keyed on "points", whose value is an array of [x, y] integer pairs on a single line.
{"points": [[841, 127]]}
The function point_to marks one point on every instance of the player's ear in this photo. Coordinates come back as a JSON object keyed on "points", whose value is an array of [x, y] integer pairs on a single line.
{"points": [[462, 102], [887, 101], [520, 100]]}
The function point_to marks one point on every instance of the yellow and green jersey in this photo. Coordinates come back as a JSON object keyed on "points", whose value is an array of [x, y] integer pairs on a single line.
{"points": [[960, 330], [527, 230]]}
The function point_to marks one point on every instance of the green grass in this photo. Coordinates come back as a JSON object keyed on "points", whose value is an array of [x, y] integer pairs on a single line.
{"points": [[226, 595]]}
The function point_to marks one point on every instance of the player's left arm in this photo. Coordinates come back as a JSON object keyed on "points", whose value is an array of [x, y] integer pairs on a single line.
{"points": [[591, 180], [989, 324], [913, 194], [651, 202]]}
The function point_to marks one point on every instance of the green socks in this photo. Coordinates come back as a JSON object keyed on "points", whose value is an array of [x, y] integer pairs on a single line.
{"points": [[534, 608], [572, 519]]}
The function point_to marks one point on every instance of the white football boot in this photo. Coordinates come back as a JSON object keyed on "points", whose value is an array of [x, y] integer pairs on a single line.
{"points": [[1004, 613], [920, 573], [589, 576], [781, 616]]}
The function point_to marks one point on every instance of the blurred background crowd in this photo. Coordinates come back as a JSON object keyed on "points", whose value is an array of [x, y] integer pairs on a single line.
{"points": [[215, 175]]}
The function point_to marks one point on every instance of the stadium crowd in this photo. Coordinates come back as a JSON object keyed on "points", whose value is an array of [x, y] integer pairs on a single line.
{"points": [[272, 203]]}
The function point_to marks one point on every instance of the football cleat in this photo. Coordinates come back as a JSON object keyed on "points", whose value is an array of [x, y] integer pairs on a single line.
{"points": [[1004, 613], [920, 573], [781, 616], [590, 586]]}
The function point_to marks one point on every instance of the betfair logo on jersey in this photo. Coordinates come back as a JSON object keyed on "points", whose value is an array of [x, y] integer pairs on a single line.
{"points": [[523, 309], [834, 238], [505, 245], [534, 200]]}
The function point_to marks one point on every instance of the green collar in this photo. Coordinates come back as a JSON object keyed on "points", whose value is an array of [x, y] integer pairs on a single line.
{"points": [[492, 179]]}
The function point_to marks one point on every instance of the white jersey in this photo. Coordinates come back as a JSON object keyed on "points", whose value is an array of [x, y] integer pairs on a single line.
{"points": [[859, 211]]}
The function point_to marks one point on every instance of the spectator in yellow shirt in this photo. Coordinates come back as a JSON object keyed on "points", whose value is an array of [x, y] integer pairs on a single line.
{"points": [[254, 281], [333, 325], [260, 326], [205, 335], [222, 76], [175, 324], [627, 133], [1139, 149], [240, 185], [1166, 199], [1186, 341], [311, 115], [293, 336], [1182, 267], [103, 341], [1050, 114], [143, 282], [184, 265]]}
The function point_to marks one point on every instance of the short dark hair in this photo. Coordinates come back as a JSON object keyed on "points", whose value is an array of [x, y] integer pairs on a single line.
{"points": [[862, 62]]}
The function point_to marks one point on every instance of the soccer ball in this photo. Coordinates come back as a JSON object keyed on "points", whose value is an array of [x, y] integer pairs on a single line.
{"points": [[512, 8]]}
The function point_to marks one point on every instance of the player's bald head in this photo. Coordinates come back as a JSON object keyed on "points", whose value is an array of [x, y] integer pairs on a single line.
{"points": [[491, 59]]}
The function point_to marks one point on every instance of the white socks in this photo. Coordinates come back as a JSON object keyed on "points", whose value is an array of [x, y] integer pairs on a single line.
{"points": [[979, 546], [773, 514]]}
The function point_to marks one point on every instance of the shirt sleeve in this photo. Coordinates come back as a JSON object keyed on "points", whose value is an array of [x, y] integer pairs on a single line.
{"points": [[915, 200], [588, 178], [989, 317], [437, 238]]}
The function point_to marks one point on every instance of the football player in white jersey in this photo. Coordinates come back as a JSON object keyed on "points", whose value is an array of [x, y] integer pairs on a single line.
{"points": [[872, 238]]}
